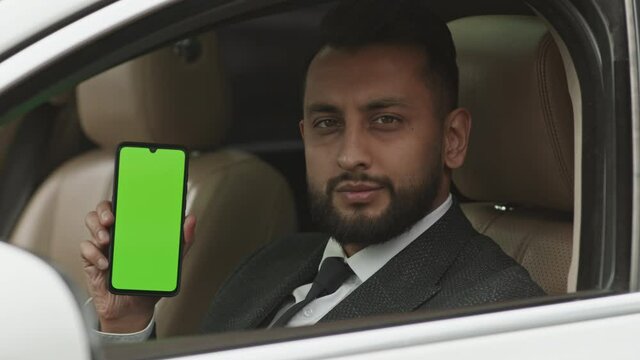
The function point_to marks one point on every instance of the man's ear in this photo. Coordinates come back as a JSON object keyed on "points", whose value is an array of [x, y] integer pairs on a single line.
{"points": [[301, 126], [457, 126]]}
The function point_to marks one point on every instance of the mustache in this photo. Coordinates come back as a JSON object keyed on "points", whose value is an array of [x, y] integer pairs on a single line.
{"points": [[382, 181]]}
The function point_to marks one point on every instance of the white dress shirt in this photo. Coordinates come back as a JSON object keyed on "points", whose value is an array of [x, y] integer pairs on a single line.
{"points": [[364, 264]]}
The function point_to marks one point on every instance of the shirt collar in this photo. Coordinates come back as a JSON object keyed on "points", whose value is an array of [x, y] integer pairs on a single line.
{"points": [[369, 260]]}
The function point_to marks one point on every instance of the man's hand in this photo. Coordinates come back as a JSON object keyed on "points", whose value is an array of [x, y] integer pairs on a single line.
{"points": [[117, 313]]}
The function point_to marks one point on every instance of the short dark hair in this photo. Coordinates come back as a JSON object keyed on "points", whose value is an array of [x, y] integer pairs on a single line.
{"points": [[357, 23]]}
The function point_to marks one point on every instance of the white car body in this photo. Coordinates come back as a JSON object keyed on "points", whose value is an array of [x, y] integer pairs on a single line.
{"points": [[68, 38], [35, 325], [22, 19]]}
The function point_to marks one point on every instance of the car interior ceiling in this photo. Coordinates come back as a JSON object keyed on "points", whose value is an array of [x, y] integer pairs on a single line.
{"points": [[264, 62]]}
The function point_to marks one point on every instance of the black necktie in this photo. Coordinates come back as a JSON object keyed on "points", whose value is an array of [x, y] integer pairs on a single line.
{"points": [[333, 272]]}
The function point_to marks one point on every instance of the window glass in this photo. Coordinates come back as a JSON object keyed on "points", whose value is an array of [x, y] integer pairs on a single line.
{"points": [[235, 96]]}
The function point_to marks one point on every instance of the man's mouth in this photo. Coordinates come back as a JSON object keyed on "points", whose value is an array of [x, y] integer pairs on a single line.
{"points": [[358, 192]]}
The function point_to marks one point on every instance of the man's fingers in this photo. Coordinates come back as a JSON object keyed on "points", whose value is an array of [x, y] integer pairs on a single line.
{"points": [[105, 214], [100, 235], [189, 232], [93, 256]]}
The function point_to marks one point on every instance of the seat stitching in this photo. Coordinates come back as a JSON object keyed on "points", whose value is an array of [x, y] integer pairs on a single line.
{"points": [[547, 112], [492, 221]]}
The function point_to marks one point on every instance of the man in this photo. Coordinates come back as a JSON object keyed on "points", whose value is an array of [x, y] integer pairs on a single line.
{"points": [[382, 133]]}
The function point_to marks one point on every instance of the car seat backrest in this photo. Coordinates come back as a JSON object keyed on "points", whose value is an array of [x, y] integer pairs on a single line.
{"points": [[163, 97], [520, 162]]}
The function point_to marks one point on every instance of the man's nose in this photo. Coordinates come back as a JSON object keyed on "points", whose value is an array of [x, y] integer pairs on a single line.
{"points": [[354, 153]]}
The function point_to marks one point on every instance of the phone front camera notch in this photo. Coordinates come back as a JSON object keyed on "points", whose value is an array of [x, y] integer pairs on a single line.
{"points": [[153, 150]]}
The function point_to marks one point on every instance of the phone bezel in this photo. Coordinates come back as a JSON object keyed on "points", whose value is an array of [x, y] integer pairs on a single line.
{"points": [[114, 200]]}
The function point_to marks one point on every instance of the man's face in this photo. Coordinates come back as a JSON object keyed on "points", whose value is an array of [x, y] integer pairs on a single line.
{"points": [[373, 143]]}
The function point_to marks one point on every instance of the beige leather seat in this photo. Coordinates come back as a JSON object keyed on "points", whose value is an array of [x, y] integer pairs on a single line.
{"points": [[240, 202], [520, 162]]}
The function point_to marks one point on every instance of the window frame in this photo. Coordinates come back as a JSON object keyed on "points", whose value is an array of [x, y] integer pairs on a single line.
{"points": [[633, 35]]}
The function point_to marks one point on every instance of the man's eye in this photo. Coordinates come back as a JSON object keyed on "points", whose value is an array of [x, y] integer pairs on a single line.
{"points": [[326, 123], [386, 119]]}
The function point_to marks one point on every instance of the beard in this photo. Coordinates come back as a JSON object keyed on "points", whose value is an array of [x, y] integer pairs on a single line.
{"points": [[406, 206]]}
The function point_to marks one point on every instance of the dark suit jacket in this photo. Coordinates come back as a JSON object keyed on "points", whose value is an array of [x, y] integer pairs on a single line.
{"points": [[449, 265]]}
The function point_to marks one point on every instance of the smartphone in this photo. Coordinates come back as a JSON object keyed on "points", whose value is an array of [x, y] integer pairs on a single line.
{"points": [[149, 188]]}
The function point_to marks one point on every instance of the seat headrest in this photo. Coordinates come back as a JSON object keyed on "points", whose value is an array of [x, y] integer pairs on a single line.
{"points": [[513, 81], [161, 97]]}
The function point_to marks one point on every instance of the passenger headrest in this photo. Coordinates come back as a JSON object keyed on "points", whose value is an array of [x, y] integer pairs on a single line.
{"points": [[512, 79], [173, 95]]}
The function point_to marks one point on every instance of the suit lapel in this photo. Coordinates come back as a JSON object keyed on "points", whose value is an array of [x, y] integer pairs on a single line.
{"points": [[410, 278], [261, 285], [302, 273]]}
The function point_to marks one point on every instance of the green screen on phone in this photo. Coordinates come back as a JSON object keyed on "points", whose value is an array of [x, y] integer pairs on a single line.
{"points": [[148, 207]]}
